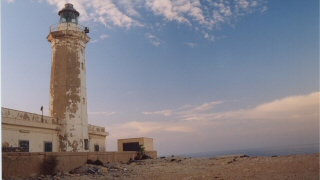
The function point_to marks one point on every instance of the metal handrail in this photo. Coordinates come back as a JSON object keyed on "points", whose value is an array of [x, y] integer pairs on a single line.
{"points": [[78, 27], [14, 149]]}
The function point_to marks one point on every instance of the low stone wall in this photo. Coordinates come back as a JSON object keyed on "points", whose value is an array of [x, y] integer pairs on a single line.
{"points": [[24, 165], [21, 165]]}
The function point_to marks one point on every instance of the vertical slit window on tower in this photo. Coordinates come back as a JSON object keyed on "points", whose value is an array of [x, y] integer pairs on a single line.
{"points": [[82, 66], [86, 144], [84, 100], [96, 148]]}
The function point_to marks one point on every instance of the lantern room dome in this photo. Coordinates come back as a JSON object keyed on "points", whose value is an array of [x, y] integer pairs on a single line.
{"points": [[68, 14]]}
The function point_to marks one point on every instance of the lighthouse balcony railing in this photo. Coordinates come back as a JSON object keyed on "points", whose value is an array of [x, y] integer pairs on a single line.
{"points": [[66, 26]]}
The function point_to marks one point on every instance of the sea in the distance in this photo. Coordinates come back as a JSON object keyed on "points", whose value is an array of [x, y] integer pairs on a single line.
{"points": [[267, 151]]}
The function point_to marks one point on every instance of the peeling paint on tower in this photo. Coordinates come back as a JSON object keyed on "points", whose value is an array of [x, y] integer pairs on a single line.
{"points": [[68, 82]]}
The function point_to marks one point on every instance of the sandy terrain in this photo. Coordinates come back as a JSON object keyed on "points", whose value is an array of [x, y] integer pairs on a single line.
{"points": [[228, 167]]}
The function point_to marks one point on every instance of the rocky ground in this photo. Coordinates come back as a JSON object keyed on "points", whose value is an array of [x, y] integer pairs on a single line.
{"points": [[218, 168]]}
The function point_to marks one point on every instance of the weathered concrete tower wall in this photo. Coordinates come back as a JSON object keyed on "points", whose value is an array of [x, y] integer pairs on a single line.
{"points": [[68, 99]]}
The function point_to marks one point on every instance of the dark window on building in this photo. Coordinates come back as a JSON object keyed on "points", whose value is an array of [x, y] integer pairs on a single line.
{"points": [[96, 148], [25, 145], [131, 146], [47, 146], [86, 144]]}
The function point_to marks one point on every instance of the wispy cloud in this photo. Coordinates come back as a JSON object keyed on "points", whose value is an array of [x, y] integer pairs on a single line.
{"points": [[249, 6], [163, 112], [153, 39], [244, 3], [104, 36], [192, 45], [101, 112], [167, 9], [144, 128], [207, 36], [201, 14], [94, 41], [187, 112], [290, 108], [129, 7], [179, 129], [264, 8], [207, 106], [223, 8]]}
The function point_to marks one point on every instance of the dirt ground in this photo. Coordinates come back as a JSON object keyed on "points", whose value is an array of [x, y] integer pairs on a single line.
{"points": [[218, 168]]}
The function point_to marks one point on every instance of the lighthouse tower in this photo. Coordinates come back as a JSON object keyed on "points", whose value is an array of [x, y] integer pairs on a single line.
{"points": [[68, 96]]}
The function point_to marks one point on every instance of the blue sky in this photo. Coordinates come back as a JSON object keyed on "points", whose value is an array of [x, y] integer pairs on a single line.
{"points": [[194, 75]]}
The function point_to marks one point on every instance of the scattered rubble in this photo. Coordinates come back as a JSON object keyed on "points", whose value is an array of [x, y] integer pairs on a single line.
{"points": [[227, 167], [98, 163]]}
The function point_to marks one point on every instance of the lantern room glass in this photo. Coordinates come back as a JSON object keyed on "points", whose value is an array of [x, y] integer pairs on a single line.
{"points": [[69, 16]]}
